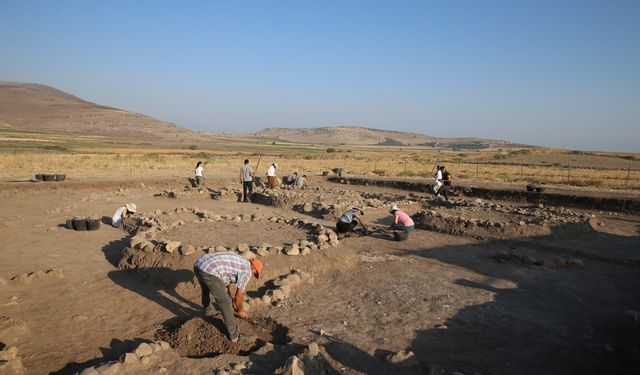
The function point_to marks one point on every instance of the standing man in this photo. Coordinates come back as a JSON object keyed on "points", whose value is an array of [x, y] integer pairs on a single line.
{"points": [[246, 177], [215, 272], [437, 183], [271, 175], [446, 183]]}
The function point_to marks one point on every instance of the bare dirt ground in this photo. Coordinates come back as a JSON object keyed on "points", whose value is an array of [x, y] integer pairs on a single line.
{"points": [[459, 303]]}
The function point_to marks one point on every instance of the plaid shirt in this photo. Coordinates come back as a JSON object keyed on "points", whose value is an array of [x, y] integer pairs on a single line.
{"points": [[228, 267]]}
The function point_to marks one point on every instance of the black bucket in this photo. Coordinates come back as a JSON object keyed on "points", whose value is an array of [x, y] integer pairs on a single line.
{"points": [[531, 187], [61, 177], [69, 224], [540, 189], [79, 223], [400, 236], [39, 177], [325, 173], [48, 177], [93, 223]]}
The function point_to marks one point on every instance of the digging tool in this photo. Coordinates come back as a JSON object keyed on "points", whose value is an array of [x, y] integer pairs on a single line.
{"points": [[258, 164]]}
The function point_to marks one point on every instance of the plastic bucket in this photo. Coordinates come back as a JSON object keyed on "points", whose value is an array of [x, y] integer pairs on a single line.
{"points": [[325, 173], [48, 177], [39, 176], [61, 177], [79, 223], [400, 236], [531, 188]]}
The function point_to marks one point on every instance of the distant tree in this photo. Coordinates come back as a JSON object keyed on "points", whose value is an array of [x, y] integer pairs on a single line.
{"points": [[331, 150], [193, 147]]}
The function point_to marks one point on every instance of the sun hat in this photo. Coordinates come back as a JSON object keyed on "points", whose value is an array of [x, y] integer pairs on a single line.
{"points": [[394, 208], [131, 207], [257, 265], [275, 165], [358, 209]]}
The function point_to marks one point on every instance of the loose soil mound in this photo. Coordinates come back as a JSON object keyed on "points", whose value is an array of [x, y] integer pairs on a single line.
{"points": [[206, 337]]}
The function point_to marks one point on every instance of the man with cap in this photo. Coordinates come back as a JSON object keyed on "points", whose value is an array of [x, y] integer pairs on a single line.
{"points": [[401, 221], [349, 220], [215, 272], [271, 175], [122, 213]]}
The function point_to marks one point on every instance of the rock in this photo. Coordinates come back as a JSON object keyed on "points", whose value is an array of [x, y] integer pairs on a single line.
{"points": [[277, 295], [164, 345], [248, 255], [292, 250], [220, 248], [239, 367], [156, 347], [243, 247], [322, 239], [263, 252], [575, 262], [275, 250], [129, 359], [540, 205], [143, 350], [313, 349], [293, 366], [286, 290], [403, 358], [237, 219], [305, 251], [334, 243], [145, 360], [110, 368], [187, 250], [222, 372], [171, 246], [217, 217], [307, 207]]}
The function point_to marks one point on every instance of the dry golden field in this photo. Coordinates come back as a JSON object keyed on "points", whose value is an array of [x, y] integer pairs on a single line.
{"points": [[541, 166]]}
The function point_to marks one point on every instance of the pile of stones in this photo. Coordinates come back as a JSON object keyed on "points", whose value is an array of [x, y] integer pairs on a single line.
{"points": [[520, 257], [144, 356], [27, 278], [10, 362]]}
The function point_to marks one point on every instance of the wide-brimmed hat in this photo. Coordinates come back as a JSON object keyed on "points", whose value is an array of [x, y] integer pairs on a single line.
{"points": [[258, 266], [394, 208], [131, 207], [275, 165]]}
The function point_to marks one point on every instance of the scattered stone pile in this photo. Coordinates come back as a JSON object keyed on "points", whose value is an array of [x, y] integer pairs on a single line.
{"points": [[27, 278], [141, 359], [225, 193], [311, 362], [517, 221], [521, 257], [282, 288]]}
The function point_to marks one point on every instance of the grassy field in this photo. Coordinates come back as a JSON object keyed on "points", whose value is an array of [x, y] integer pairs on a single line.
{"points": [[24, 154]]}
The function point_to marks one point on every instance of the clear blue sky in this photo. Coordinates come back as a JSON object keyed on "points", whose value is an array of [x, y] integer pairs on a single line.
{"points": [[555, 73]]}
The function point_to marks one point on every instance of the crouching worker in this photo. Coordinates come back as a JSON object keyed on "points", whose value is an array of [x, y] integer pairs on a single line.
{"points": [[349, 220], [215, 272], [122, 213], [401, 221]]}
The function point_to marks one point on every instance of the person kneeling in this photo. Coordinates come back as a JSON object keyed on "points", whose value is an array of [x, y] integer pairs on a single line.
{"points": [[349, 220], [401, 221]]}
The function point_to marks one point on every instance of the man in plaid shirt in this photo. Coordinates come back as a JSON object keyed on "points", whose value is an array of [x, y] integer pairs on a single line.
{"points": [[215, 272]]}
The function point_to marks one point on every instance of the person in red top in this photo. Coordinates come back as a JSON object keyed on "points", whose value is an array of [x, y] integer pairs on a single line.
{"points": [[401, 221]]}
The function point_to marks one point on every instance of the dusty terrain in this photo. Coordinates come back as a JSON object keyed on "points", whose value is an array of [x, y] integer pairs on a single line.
{"points": [[482, 287]]}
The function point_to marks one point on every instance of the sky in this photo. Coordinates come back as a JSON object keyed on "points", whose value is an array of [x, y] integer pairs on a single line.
{"points": [[551, 73]]}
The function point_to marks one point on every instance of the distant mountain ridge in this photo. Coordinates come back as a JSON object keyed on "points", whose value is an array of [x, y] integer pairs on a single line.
{"points": [[35, 107], [354, 135]]}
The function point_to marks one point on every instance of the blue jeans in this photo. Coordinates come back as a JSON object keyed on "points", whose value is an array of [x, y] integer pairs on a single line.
{"points": [[402, 227]]}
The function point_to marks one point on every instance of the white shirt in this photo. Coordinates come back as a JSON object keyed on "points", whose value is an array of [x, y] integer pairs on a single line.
{"points": [[272, 171], [438, 175], [199, 171], [116, 219]]}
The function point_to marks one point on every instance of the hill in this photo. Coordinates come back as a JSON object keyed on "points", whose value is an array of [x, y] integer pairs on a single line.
{"points": [[353, 135], [39, 108]]}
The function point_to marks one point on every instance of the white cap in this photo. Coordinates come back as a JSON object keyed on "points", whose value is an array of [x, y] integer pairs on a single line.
{"points": [[131, 207], [394, 208]]}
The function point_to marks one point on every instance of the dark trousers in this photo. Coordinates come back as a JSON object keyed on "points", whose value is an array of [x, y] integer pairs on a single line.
{"points": [[212, 285], [444, 190], [247, 189], [343, 227], [402, 227]]}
